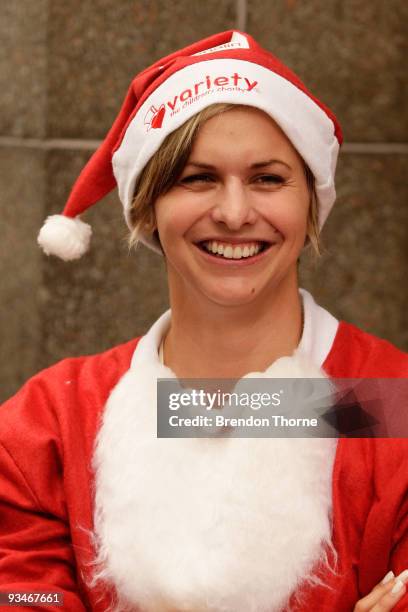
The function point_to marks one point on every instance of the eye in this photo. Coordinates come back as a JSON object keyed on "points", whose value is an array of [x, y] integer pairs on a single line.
{"points": [[270, 179], [197, 178]]}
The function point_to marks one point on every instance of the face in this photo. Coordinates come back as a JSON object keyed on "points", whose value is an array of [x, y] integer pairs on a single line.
{"points": [[233, 225]]}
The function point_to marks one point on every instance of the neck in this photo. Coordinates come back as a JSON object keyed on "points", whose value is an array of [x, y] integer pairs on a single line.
{"points": [[228, 342]]}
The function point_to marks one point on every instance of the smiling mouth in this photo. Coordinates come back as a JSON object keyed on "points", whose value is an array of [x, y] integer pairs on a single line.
{"points": [[225, 250]]}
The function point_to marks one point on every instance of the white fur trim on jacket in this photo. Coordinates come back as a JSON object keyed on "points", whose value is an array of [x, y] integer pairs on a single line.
{"points": [[206, 524]]}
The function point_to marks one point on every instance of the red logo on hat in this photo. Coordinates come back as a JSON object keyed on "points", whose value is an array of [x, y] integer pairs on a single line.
{"points": [[154, 117]]}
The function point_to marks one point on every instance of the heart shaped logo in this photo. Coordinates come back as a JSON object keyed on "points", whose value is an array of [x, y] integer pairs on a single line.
{"points": [[158, 117]]}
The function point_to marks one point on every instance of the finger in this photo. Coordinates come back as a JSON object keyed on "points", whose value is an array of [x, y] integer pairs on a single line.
{"points": [[366, 603], [388, 601], [387, 578], [403, 576]]}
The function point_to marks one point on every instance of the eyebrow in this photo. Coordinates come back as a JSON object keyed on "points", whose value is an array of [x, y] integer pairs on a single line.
{"points": [[256, 165]]}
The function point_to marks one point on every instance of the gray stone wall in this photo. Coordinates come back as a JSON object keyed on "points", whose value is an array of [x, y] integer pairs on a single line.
{"points": [[64, 72]]}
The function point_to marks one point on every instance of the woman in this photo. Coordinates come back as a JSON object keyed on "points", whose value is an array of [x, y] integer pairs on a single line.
{"points": [[225, 163]]}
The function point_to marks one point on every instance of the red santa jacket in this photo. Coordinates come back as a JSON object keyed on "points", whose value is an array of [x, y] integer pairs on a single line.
{"points": [[47, 435]]}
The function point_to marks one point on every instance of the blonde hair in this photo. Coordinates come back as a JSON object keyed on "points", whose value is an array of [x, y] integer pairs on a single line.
{"points": [[164, 168]]}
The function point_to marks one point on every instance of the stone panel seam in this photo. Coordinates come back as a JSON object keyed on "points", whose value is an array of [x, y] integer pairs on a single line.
{"points": [[76, 144], [241, 15], [375, 147], [49, 143]]}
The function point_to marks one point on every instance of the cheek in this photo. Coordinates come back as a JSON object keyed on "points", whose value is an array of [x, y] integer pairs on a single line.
{"points": [[173, 220], [289, 220], [164, 217]]}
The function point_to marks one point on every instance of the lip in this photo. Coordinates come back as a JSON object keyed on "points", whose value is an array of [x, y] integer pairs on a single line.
{"points": [[235, 263]]}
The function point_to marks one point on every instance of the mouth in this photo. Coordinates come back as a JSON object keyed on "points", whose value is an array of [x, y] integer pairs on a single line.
{"points": [[227, 250]]}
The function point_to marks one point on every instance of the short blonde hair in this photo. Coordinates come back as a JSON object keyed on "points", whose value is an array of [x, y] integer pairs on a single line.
{"points": [[164, 168]]}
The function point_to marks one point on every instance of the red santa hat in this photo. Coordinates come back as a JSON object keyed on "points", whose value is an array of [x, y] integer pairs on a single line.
{"points": [[228, 67]]}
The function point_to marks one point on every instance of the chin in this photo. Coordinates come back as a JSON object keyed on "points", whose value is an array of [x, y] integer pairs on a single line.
{"points": [[233, 296]]}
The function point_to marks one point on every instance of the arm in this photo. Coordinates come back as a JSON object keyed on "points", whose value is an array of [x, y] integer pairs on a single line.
{"points": [[393, 501], [47, 433], [36, 552], [35, 547]]}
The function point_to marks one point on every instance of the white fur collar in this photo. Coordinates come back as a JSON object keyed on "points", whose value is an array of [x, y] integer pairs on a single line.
{"points": [[218, 524]]}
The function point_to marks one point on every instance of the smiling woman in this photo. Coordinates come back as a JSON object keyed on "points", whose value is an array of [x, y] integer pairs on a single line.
{"points": [[224, 164]]}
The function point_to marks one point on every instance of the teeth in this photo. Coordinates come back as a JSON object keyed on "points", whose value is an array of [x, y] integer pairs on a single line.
{"points": [[231, 252]]}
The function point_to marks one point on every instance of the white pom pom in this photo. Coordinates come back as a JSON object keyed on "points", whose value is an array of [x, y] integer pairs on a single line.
{"points": [[64, 237]]}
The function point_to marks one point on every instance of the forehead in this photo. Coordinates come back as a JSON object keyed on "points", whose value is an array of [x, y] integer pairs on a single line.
{"points": [[244, 131]]}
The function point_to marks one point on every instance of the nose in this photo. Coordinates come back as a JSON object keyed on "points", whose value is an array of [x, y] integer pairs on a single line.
{"points": [[233, 206]]}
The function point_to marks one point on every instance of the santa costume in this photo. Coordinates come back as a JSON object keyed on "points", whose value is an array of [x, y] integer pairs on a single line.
{"points": [[98, 508]]}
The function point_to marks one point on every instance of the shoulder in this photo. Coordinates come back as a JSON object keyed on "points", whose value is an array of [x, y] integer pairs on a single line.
{"points": [[48, 428], [356, 353], [100, 369], [71, 393]]}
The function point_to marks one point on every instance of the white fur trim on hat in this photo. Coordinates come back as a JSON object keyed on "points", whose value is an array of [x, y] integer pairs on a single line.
{"points": [[65, 237]]}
